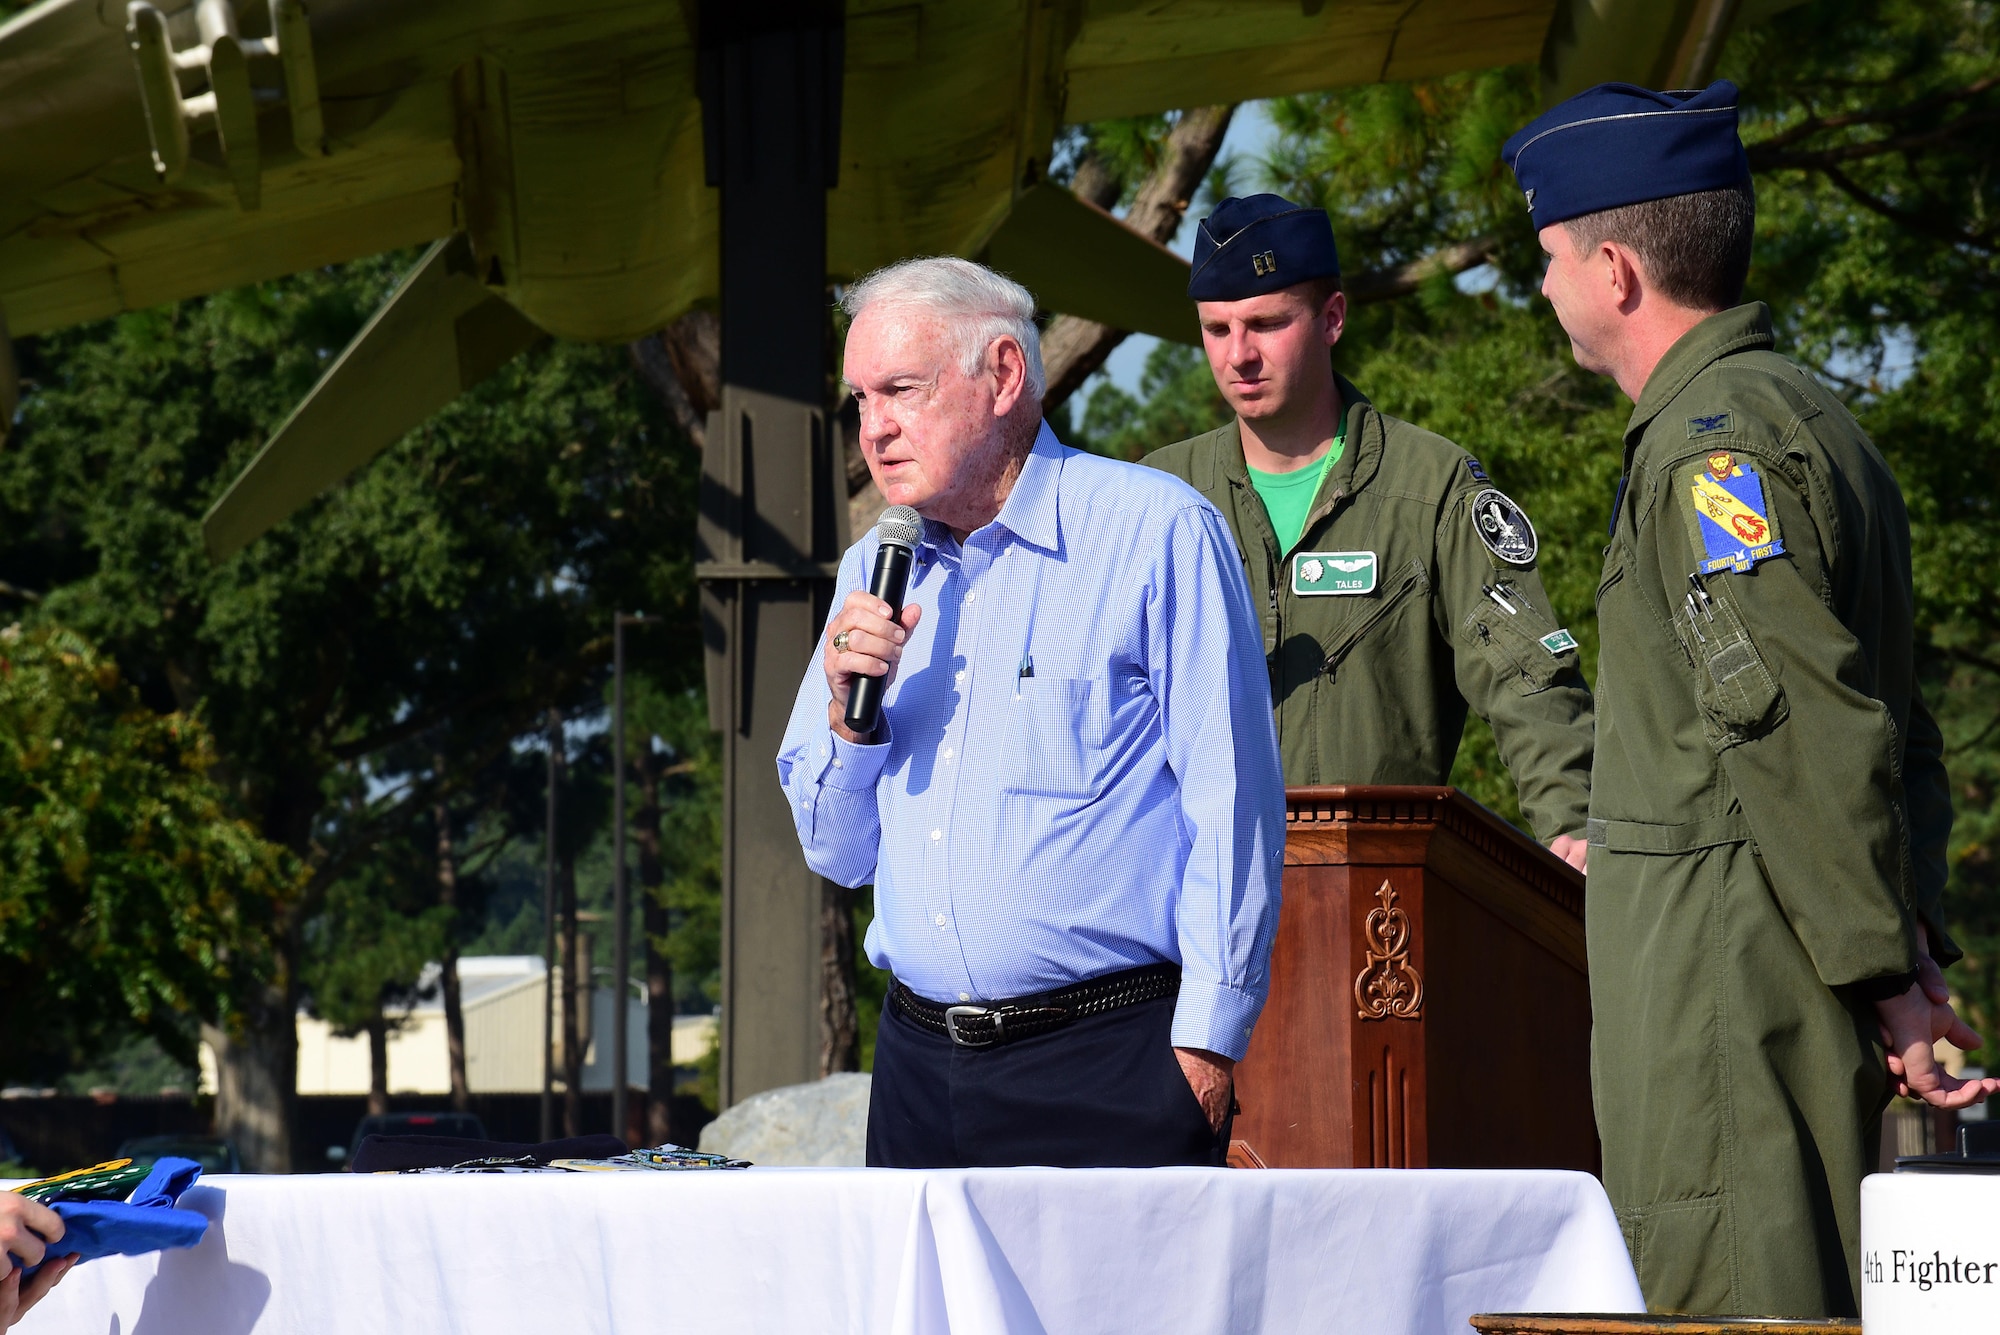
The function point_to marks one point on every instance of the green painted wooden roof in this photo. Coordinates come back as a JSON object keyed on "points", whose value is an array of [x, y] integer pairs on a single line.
{"points": [[564, 136]]}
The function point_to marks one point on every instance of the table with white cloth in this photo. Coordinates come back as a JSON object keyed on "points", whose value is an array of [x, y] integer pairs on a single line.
{"points": [[866, 1250]]}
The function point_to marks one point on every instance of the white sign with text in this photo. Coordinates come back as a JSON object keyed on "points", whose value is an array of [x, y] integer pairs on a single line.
{"points": [[1930, 1252]]}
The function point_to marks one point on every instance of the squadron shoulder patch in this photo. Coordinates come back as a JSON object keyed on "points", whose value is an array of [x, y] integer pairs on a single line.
{"points": [[1503, 527], [1730, 516], [1321, 573]]}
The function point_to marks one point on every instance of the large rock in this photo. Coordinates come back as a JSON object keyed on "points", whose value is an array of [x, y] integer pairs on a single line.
{"points": [[820, 1125]]}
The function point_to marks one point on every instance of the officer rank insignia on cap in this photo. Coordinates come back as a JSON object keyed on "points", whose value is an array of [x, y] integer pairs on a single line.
{"points": [[1259, 244], [1321, 573], [1503, 527], [1729, 517]]}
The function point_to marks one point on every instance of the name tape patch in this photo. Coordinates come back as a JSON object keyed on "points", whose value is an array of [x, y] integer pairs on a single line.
{"points": [[1322, 573]]}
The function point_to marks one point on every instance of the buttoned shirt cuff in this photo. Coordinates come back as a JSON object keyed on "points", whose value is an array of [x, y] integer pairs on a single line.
{"points": [[1215, 1018], [852, 765]]}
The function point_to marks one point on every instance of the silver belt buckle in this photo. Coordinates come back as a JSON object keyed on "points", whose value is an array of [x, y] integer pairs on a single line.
{"points": [[953, 1014]]}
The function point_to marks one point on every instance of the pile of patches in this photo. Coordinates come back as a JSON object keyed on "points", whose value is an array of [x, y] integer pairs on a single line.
{"points": [[579, 1154]]}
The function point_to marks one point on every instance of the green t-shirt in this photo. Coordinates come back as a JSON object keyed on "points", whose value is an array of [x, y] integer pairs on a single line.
{"points": [[1288, 497]]}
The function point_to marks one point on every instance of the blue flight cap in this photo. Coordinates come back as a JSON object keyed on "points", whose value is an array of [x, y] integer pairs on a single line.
{"points": [[1259, 244], [1619, 144]]}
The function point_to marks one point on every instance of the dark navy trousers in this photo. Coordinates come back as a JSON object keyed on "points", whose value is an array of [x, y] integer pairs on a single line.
{"points": [[1104, 1092]]}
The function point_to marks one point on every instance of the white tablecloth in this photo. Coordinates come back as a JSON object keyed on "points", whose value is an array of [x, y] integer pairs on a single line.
{"points": [[802, 1250]]}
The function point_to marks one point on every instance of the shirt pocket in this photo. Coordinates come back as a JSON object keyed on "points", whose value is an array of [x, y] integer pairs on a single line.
{"points": [[1516, 645], [1408, 581], [1740, 695], [1054, 741]]}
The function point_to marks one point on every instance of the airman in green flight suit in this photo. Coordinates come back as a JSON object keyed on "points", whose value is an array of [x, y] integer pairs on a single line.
{"points": [[1396, 583], [1768, 808]]}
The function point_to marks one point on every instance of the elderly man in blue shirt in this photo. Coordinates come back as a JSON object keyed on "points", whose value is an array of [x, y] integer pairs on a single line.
{"points": [[1071, 807]]}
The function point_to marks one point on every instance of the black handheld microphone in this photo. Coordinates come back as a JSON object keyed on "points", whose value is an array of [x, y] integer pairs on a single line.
{"points": [[898, 531]]}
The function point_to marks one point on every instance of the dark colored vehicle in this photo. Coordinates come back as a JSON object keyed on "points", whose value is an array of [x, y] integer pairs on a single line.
{"points": [[465, 1126], [215, 1154]]}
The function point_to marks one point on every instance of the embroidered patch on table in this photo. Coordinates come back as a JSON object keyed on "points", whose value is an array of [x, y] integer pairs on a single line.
{"points": [[1321, 573], [1732, 515]]}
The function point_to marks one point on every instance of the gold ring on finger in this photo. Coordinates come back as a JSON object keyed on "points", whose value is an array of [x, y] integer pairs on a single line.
{"points": [[840, 642]]}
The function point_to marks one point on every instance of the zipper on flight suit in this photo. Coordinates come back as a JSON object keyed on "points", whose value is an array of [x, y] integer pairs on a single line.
{"points": [[1277, 639], [1413, 580]]}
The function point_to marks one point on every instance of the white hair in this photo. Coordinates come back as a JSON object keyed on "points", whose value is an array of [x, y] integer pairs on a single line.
{"points": [[975, 303]]}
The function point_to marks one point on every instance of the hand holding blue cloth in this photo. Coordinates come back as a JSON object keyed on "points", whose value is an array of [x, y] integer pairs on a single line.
{"points": [[146, 1221]]}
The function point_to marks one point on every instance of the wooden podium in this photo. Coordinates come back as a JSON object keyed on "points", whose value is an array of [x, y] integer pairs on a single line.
{"points": [[1429, 1005]]}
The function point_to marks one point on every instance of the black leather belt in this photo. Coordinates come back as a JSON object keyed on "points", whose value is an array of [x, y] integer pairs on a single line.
{"points": [[991, 1024]]}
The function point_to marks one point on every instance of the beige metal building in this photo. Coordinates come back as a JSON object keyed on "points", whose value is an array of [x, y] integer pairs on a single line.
{"points": [[503, 998]]}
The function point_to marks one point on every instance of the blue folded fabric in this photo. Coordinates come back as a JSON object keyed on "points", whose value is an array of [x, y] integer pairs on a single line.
{"points": [[145, 1221]]}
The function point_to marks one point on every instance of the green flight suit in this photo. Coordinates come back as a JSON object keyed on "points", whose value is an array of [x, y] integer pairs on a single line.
{"points": [[1371, 686], [1768, 818]]}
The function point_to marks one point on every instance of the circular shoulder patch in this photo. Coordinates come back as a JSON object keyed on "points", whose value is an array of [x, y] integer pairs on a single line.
{"points": [[1503, 527]]}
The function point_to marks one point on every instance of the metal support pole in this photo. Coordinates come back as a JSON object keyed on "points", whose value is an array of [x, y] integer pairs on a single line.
{"points": [[621, 906], [621, 911], [549, 939]]}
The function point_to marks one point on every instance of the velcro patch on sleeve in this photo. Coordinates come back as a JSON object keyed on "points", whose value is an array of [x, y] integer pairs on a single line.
{"points": [[1503, 526], [1730, 520]]}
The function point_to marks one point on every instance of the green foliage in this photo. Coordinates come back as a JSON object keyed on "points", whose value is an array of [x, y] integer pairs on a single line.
{"points": [[1404, 168], [1498, 379], [138, 1066], [690, 832], [512, 923], [130, 896], [1177, 398], [382, 648], [453, 584], [871, 985], [365, 953], [1878, 247], [1126, 149], [1870, 128]]}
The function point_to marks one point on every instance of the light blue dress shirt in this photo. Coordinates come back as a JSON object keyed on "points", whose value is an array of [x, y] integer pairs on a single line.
{"points": [[1077, 770]]}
